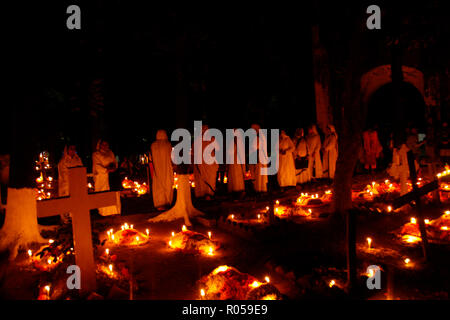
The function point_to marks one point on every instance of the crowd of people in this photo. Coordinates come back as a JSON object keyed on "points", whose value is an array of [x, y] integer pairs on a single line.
{"points": [[302, 158]]}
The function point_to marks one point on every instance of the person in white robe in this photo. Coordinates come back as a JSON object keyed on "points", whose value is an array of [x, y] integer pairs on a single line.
{"points": [[236, 172], [162, 179], [104, 162], [330, 152], [205, 175], [314, 146], [259, 147], [286, 170], [70, 159], [301, 152], [400, 167]]}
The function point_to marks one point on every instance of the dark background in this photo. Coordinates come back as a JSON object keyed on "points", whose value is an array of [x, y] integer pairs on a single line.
{"points": [[116, 78]]}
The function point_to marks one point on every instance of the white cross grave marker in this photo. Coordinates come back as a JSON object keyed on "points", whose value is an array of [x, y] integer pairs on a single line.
{"points": [[78, 203]]}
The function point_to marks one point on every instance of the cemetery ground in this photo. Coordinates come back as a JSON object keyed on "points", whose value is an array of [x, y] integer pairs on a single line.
{"points": [[304, 257]]}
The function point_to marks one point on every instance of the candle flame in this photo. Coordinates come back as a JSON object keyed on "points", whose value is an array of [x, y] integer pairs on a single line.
{"points": [[267, 279], [183, 228], [209, 234], [220, 269], [30, 253], [110, 267], [255, 284], [202, 292], [332, 283]]}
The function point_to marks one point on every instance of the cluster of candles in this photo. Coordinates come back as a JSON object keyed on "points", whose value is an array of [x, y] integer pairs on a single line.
{"points": [[175, 181], [137, 188], [126, 226], [44, 181], [444, 173], [254, 284], [207, 251]]}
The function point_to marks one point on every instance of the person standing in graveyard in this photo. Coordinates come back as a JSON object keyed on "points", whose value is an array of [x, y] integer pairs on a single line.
{"points": [[70, 159], [162, 178], [236, 170], [205, 174], [314, 145], [126, 168], [330, 151], [103, 163], [372, 149], [412, 142], [286, 171], [258, 148], [301, 158]]}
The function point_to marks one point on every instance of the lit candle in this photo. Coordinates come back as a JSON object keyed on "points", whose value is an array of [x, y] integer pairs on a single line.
{"points": [[389, 209], [107, 251], [259, 216], [332, 283], [407, 261], [183, 228], [51, 241], [202, 292], [232, 216], [210, 252], [277, 202], [267, 279], [413, 220], [147, 231], [30, 253], [131, 227], [47, 290], [173, 233], [110, 267], [209, 234], [369, 241]]}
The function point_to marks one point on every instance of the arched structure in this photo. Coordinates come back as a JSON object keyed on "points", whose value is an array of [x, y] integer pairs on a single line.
{"points": [[377, 77]]}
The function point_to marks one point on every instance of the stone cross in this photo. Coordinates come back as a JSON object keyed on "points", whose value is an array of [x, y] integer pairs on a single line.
{"points": [[78, 203]]}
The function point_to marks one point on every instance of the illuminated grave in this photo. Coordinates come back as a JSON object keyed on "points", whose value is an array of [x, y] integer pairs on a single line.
{"points": [[227, 283], [134, 187], [437, 230], [49, 256], [190, 241], [314, 201], [128, 236]]}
